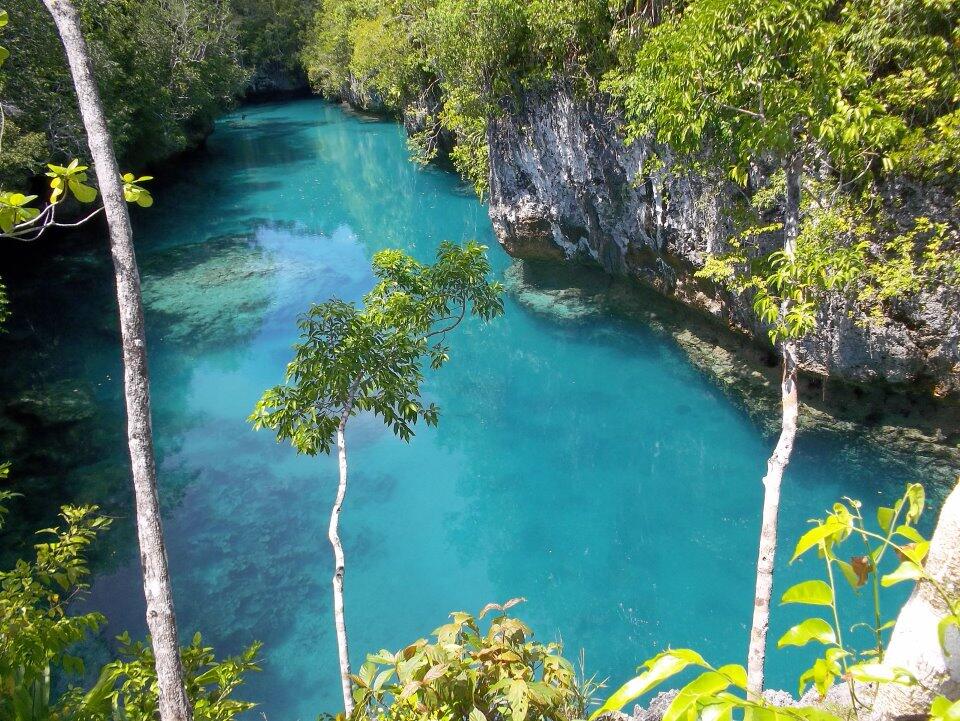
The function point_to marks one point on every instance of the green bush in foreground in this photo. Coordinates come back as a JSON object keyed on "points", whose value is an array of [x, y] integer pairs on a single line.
{"points": [[38, 635]]}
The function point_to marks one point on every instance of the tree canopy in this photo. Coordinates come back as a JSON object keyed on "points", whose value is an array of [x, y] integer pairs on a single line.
{"points": [[352, 359]]}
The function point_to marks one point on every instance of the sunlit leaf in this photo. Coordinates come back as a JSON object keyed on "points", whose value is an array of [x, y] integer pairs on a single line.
{"points": [[881, 673], [658, 670], [812, 629], [815, 593], [906, 571]]}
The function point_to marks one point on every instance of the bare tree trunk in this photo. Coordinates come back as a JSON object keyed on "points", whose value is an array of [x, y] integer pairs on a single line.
{"points": [[173, 702], [915, 643], [340, 567], [777, 463]]}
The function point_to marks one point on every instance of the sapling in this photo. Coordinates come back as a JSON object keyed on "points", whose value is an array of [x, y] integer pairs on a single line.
{"points": [[370, 357]]}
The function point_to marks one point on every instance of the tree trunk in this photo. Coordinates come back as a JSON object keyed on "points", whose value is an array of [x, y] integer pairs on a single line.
{"points": [[339, 568], [915, 643], [777, 463], [161, 621]]}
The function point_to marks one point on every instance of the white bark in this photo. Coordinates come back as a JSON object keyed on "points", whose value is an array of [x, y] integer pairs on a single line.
{"points": [[915, 643], [161, 621], [339, 568], [777, 463]]}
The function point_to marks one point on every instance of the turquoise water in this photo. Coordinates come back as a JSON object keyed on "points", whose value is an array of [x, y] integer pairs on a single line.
{"points": [[581, 463]]}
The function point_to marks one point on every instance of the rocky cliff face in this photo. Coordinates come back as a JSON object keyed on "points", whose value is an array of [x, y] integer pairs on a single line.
{"points": [[565, 187]]}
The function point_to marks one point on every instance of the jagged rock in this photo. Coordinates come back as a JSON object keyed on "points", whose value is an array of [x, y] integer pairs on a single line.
{"points": [[360, 96], [565, 186], [656, 708]]}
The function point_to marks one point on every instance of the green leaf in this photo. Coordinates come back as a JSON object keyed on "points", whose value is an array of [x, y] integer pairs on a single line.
{"points": [[814, 593], [816, 535], [821, 675], [885, 517], [881, 673], [83, 193], [477, 715], [943, 709], [906, 571], [915, 499], [812, 629], [659, 669], [910, 533], [706, 684], [519, 703]]}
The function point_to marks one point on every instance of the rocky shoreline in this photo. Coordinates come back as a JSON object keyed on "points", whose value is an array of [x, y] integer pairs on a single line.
{"points": [[915, 430], [565, 192], [565, 186]]}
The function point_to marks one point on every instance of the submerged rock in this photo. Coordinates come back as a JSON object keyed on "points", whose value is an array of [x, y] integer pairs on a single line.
{"points": [[210, 294], [57, 404], [912, 429]]}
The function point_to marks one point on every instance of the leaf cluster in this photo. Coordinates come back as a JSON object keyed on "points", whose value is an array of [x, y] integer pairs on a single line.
{"points": [[35, 630], [718, 693], [471, 673], [127, 688], [352, 359], [845, 249], [38, 636]]}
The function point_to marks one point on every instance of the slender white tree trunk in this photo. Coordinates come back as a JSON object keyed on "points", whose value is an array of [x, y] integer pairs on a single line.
{"points": [[777, 463], [915, 643], [339, 568], [173, 702]]}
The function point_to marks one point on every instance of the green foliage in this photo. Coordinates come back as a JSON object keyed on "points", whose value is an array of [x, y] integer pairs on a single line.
{"points": [[134, 192], [18, 219], [270, 32], [72, 178], [35, 630], [127, 688], [165, 71], [15, 209], [857, 80], [843, 246], [846, 89], [472, 673], [717, 693], [38, 635], [474, 53], [369, 358]]}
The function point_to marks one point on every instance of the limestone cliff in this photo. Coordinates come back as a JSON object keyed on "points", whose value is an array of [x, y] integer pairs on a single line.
{"points": [[564, 186]]}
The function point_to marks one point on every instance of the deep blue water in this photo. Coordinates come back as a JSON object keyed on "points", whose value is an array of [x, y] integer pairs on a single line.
{"points": [[583, 464]]}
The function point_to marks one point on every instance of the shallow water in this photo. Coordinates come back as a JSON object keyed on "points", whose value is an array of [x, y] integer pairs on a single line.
{"points": [[580, 462]]}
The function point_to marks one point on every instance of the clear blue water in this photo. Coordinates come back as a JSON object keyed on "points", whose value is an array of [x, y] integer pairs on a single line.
{"points": [[584, 465]]}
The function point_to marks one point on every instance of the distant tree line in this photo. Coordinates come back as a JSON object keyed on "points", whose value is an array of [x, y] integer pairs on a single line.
{"points": [[166, 70]]}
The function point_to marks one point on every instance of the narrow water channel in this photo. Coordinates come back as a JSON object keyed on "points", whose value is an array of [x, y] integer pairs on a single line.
{"points": [[580, 462]]}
